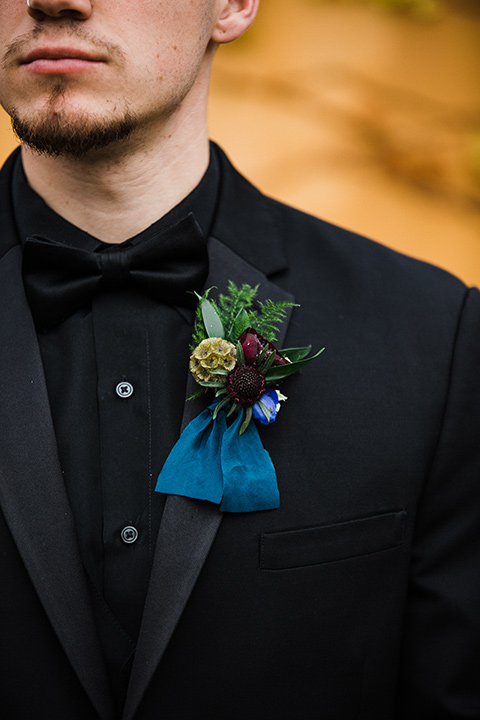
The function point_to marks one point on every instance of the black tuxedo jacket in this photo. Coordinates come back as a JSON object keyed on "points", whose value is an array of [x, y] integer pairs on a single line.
{"points": [[360, 596]]}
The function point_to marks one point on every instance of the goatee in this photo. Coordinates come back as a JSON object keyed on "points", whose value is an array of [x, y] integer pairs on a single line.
{"points": [[57, 132]]}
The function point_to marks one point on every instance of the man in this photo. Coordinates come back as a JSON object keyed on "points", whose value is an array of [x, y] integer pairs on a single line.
{"points": [[359, 597]]}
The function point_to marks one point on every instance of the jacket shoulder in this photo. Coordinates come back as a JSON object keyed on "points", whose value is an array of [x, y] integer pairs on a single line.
{"points": [[358, 275], [329, 244], [321, 251]]}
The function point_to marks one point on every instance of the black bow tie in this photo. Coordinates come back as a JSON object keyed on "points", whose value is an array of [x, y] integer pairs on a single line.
{"points": [[60, 279]]}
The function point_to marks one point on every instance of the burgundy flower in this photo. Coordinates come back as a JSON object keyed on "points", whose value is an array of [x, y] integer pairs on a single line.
{"points": [[245, 385], [253, 345]]}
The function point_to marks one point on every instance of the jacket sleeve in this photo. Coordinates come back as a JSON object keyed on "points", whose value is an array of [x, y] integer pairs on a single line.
{"points": [[440, 667]]}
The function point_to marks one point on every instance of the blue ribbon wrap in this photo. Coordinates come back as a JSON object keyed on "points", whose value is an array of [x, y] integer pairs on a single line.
{"points": [[211, 461]]}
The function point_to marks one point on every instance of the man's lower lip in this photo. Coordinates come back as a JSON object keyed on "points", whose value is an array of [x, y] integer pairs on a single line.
{"points": [[60, 65]]}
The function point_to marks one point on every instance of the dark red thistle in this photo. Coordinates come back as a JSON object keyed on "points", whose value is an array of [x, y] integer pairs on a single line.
{"points": [[245, 385], [253, 345]]}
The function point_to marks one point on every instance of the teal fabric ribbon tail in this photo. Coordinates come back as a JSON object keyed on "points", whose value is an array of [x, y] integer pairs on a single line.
{"points": [[215, 463], [193, 467], [249, 479]]}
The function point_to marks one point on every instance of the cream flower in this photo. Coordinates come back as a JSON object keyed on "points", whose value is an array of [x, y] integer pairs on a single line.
{"points": [[211, 355]]}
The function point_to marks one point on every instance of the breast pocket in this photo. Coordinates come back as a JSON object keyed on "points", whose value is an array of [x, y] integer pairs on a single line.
{"points": [[330, 543]]}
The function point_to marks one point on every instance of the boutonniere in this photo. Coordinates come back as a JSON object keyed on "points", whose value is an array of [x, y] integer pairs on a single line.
{"points": [[219, 456]]}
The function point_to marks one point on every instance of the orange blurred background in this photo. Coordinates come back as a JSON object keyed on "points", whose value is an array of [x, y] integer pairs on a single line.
{"points": [[366, 117]]}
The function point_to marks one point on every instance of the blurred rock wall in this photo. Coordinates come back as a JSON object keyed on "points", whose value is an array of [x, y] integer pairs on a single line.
{"points": [[366, 117]]}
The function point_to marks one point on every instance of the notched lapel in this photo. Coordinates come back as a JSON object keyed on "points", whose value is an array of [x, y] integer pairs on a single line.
{"points": [[187, 531], [32, 493], [188, 527]]}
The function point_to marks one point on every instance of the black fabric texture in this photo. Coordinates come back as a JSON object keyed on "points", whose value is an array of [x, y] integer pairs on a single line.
{"points": [[167, 266], [112, 448], [378, 442]]}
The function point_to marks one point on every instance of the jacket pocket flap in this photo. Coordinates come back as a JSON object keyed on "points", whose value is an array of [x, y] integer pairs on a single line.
{"points": [[328, 543]]}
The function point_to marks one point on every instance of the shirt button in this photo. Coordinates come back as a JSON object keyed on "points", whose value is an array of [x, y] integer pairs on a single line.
{"points": [[124, 389], [129, 534]]}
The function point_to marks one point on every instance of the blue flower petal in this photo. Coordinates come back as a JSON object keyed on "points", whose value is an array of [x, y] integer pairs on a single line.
{"points": [[265, 409]]}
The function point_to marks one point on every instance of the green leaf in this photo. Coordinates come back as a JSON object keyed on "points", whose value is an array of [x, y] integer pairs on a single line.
{"points": [[265, 367], [210, 384], [231, 307], [234, 409], [220, 405], [271, 315], [240, 355], [211, 320], [199, 332], [196, 394], [282, 371], [263, 354], [246, 422], [294, 354], [240, 324]]}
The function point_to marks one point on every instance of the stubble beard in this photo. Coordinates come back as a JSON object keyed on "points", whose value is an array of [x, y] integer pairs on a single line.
{"points": [[57, 131]]}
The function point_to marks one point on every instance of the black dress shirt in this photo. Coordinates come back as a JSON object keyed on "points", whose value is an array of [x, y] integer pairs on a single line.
{"points": [[116, 373]]}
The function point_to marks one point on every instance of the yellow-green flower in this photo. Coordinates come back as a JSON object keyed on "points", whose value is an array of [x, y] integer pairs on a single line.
{"points": [[211, 355]]}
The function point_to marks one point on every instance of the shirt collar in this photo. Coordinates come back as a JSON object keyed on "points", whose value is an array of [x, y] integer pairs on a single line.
{"points": [[34, 217]]}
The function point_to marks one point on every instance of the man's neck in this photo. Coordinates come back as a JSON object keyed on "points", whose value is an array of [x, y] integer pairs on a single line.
{"points": [[114, 196]]}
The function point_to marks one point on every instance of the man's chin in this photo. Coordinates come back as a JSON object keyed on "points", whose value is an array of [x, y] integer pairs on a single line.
{"points": [[55, 134]]}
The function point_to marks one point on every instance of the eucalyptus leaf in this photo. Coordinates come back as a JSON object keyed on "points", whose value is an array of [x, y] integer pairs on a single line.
{"points": [[211, 320], [211, 384], [282, 371], [205, 295]]}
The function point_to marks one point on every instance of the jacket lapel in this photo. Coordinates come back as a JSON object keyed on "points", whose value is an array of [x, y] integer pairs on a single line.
{"points": [[189, 527], [32, 493]]}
